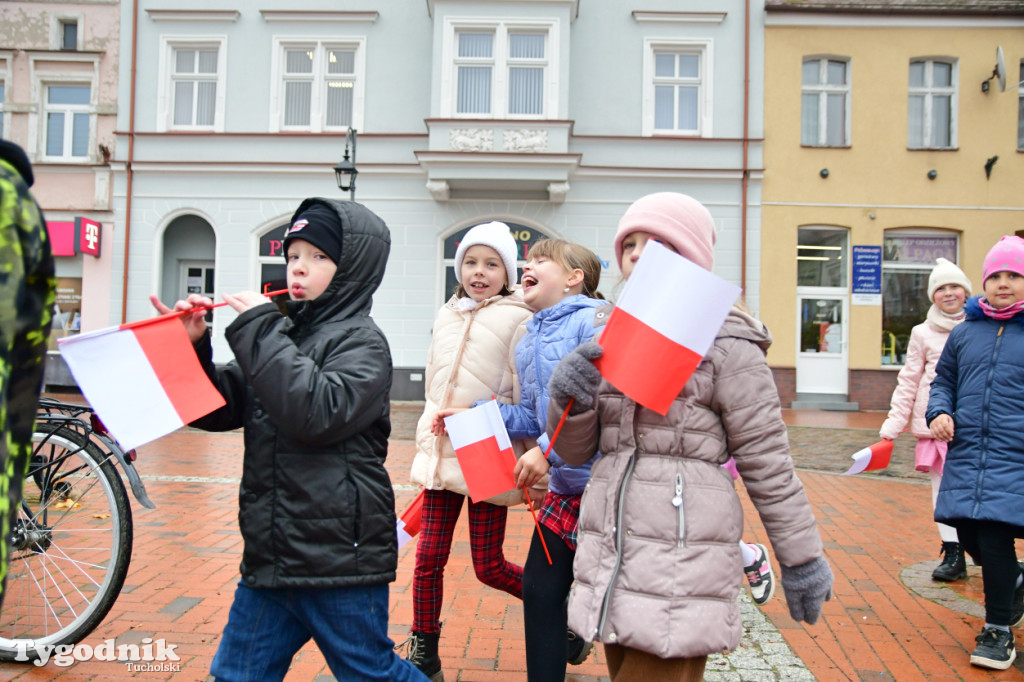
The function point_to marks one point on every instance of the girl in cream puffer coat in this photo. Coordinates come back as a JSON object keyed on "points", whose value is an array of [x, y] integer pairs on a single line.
{"points": [[471, 358], [657, 571]]}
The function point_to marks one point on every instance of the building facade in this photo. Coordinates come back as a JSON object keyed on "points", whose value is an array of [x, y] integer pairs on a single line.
{"points": [[894, 132], [550, 115], [58, 100]]}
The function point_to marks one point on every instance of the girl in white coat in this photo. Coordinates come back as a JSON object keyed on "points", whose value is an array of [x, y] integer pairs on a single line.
{"points": [[948, 289], [470, 359]]}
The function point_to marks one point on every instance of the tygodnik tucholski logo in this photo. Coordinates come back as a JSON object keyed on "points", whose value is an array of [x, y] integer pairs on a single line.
{"points": [[149, 656]]}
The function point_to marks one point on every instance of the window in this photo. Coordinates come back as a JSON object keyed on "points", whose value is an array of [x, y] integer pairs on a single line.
{"points": [[825, 103], [931, 110], [821, 257], [908, 257], [67, 114], [676, 88], [68, 34], [317, 86], [1020, 108], [192, 73], [501, 70], [525, 238]]}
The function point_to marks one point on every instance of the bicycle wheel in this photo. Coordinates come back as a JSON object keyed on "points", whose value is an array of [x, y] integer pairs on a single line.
{"points": [[72, 542]]}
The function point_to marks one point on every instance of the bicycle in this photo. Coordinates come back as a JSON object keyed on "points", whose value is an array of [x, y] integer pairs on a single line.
{"points": [[72, 540]]}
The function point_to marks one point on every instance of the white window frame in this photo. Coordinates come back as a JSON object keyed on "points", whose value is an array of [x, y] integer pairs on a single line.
{"points": [[5, 81], [822, 90], [1020, 108], [500, 62], [69, 110], [319, 77], [57, 22], [165, 96], [44, 70], [705, 50], [929, 91]]}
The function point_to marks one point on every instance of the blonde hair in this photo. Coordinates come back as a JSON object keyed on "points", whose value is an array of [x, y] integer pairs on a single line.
{"points": [[572, 256]]}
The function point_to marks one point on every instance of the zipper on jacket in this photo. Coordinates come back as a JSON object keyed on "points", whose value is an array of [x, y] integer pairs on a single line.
{"points": [[984, 420], [618, 531], [677, 502]]}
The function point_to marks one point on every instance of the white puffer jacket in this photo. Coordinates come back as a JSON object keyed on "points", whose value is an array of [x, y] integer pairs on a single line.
{"points": [[658, 567], [471, 358]]}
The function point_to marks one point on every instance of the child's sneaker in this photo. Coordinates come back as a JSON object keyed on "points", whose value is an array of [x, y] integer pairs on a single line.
{"points": [[760, 576], [1017, 609], [994, 650]]}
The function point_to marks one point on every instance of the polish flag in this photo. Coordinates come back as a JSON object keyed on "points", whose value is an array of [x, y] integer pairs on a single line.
{"points": [[666, 320], [876, 456], [408, 525], [142, 378], [484, 450]]}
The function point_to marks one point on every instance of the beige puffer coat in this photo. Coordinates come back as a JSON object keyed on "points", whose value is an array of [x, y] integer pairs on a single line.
{"points": [[471, 358], [658, 567]]}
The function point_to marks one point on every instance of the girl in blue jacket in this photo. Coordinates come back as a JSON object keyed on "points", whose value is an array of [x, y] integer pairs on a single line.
{"points": [[560, 282], [976, 405]]}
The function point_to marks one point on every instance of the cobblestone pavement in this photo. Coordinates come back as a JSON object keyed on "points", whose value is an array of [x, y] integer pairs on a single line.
{"points": [[887, 619]]}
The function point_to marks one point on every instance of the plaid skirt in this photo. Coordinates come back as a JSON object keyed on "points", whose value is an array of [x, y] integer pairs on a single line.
{"points": [[561, 515]]}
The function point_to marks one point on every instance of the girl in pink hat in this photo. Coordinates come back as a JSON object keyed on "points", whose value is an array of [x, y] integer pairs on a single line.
{"points": [[657, 564]]}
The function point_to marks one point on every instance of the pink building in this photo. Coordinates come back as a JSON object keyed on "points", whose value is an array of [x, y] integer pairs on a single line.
{"points": [[58, 100]]}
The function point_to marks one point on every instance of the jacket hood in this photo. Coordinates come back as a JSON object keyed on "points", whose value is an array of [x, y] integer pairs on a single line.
{"points": [[15, 155], [742, 325], [365, 245]]}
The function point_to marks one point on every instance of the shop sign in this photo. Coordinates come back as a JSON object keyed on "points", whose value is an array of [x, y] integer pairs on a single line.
{"points": [[867, 275], [87, 233], [72, 237]]}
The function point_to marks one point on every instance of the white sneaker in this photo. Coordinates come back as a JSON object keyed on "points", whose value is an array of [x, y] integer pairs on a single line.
{"points": [[760, 576]]}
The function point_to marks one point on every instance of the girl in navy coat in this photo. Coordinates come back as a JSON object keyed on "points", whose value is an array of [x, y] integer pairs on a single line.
{"points": [[976, 404]]}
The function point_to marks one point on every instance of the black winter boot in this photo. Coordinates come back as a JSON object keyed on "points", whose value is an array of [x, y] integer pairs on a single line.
{"points": [[421, 651], [953, 566]]}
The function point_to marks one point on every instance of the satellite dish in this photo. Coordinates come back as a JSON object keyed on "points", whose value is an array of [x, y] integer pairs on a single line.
{"points": [[1000, 70]]}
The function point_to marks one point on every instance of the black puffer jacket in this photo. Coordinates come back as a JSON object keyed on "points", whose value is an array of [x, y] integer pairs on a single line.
{"points": [[316, 506]]}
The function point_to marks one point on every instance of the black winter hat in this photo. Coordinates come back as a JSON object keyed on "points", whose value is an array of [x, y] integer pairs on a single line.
{"points": [[319, 225]]}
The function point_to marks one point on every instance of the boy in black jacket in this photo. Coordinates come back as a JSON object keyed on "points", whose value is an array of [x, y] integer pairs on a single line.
{"points": [[316, 507]]}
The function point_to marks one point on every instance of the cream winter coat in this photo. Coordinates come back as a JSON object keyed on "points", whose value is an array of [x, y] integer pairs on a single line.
{"points": [[471, 358], [910, 399], [658, 567]]}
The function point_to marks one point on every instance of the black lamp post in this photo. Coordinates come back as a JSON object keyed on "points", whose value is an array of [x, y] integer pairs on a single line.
{"points": [[346, 170]]}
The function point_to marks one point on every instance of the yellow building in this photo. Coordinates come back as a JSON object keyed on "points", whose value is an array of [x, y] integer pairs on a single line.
{"points": [[890, 140]]}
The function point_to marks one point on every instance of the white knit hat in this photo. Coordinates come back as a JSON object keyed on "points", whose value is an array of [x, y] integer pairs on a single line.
{"points": [[496, 235], [946, 273]]}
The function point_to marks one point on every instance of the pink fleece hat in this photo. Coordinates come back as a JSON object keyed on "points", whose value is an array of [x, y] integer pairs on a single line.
{"points": [[675, 219], [1007, 255]]}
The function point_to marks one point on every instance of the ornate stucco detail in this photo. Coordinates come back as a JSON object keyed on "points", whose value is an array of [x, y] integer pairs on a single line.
{"points": [[525, 140], [471, 139], [557, 192], [439, 189]]}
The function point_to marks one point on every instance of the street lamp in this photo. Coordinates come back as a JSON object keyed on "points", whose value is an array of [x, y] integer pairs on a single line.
{"points": [[346, 170]]}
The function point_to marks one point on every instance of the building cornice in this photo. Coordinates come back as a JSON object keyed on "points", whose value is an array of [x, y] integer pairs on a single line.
{"points": [[274, 15], [194, 15]]}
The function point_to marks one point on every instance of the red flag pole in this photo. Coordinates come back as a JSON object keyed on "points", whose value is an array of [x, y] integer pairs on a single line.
{"points": [[547, 452], [179, 313]]}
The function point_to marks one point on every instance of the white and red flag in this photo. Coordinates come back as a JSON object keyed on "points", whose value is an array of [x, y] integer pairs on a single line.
{"points": [[667, 318], [873, 457], [142, 378], [408, 524], [483, 449]]}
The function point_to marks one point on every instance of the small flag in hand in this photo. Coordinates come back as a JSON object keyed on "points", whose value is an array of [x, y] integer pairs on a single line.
{"points": [[408, 525], [669, 314], [142, 378], [483, 449], [874, 457]]}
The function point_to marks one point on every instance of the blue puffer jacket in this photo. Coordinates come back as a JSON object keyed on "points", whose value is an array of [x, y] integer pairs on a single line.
{"points": [[980, 382], [551, 334]]}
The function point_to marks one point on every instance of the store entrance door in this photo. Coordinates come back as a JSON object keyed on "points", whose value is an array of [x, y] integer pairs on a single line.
{"points": [[822, 364]]}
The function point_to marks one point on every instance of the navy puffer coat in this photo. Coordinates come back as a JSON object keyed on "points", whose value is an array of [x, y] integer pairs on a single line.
{"points": [[980, 382]]}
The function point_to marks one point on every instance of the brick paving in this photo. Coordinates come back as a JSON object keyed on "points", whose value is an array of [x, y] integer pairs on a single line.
{"points": [[886, 621]]}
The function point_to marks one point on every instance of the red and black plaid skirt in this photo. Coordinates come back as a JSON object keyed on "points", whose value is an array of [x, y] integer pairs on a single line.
{"points": [[561, 515]]}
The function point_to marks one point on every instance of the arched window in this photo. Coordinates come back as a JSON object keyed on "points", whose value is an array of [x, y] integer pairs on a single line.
{"points": [[525, 238]]}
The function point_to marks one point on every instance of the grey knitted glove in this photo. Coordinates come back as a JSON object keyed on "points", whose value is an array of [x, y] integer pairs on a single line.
{"points": [[576, 377], [807, 588]]}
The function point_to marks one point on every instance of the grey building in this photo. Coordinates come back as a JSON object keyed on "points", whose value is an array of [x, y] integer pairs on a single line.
{"points": [[551, 115]]}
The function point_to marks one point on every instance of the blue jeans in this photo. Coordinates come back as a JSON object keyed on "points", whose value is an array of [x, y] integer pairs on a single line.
{"points": [[267, 627]]}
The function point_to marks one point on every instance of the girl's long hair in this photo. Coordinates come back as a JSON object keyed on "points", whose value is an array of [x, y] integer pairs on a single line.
{"points": [[572, 256]]}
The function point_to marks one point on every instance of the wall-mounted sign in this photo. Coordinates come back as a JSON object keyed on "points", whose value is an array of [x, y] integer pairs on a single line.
{"points": [[72, 237], [867, 276]]}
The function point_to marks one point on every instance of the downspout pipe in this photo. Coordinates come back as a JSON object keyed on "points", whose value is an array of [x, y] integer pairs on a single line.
{"points": [[745, 179], [128, 167]]}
